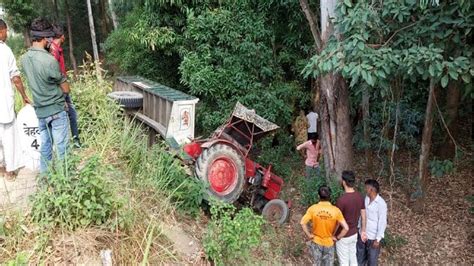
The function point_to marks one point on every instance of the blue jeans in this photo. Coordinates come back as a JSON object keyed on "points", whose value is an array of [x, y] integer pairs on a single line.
{"points": [[72, 117], [366, 254], [311, 172], [54, 130]]}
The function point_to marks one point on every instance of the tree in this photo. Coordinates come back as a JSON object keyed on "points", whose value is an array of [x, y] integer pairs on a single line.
{"points": [[113, 14], [334, 104], [72, 57], [93, 38]]}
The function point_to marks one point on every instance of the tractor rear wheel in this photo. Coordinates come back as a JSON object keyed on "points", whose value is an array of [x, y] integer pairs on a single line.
{"points": [[221, 168], [276, 211]]}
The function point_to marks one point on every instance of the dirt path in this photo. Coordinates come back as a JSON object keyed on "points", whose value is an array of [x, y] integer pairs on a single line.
{"points": [[14, 194]]}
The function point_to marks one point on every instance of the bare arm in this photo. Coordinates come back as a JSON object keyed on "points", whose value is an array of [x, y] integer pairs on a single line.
{"points": [[65, 87], [345, 229], [21, 89], [306, 231]]}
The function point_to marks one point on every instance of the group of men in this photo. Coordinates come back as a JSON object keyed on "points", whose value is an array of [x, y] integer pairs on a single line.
{"points": [[354, 227], [43, 65]]}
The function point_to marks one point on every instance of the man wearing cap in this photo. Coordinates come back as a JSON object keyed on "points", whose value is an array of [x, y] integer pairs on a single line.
{"points": [[48, 86], [10, 159], [57, 51]]}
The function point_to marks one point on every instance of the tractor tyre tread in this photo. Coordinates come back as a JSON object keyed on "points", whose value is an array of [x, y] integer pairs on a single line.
{"points": [[284, 208], [127, 99], [206, 157]]}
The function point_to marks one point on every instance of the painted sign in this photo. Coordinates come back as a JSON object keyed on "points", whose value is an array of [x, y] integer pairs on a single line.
{"points": [[27, 124]]}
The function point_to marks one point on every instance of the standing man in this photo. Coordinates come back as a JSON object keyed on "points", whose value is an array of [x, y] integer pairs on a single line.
{"points": [[312, 118], [352, 207], [10, 160], [324, 217], [313, 151], [368, 248], [57, 51], [47, 85]]}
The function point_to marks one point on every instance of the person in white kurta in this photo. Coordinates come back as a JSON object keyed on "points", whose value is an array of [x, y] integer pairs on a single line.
{"points": [[10, 153]]}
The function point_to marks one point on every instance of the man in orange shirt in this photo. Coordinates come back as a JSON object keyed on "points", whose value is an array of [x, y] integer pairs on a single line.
{"points": [[325, 217]]}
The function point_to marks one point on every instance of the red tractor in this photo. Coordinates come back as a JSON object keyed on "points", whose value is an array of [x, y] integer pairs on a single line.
{"points": [[222, 162]]}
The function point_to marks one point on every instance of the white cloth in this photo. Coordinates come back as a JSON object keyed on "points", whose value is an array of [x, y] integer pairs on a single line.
{"points": [[376, 212], [8, 70], [346, 249], [10, 155], [312, 118]]}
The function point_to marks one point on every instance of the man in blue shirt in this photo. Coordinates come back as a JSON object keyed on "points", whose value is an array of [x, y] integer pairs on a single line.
{"points": [[368, 243]]}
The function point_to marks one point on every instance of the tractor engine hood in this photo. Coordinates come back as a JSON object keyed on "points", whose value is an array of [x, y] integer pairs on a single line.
{"points": [[246, 127]]}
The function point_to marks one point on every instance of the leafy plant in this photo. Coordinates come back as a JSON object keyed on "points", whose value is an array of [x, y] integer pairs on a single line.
{"points": [[392, 240], [439, 168], [75, 195], [309, 188], [232, 234]]}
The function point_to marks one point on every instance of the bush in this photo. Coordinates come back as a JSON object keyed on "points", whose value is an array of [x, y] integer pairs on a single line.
{"points": [[75, 196], [232, 234], [309, 188], [440, 168]]}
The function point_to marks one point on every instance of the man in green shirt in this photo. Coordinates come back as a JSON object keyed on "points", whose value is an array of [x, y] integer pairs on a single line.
{"points": [[47, 85]]}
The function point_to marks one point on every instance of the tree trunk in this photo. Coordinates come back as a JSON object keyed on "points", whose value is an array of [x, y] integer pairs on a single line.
{"points": [[26, 37], [366, 127], [113, 15], [56, 11], [95, 50], [422, 179], [336, 131], [103, 22], [72, 57], [448, 149]]}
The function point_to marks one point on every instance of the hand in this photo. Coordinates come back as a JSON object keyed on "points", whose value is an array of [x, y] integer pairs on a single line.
{"points": [[363, 237], [376, 244], [334, 239], [26, 100], [310, 236]]}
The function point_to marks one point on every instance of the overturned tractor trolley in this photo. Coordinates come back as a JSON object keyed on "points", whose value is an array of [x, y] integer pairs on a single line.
{"points": [[222, 162], [164, 110]]}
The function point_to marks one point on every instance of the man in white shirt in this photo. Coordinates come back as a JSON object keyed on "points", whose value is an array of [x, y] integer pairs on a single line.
{"points": [[312, 118], [368, 244], [10, 160]]}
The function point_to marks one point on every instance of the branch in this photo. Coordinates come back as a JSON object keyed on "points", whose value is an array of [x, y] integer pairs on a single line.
{"points": [[378, 45], [313, 25]]}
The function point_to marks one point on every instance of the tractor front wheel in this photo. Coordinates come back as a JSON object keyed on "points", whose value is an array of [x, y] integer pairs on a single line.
{"points": [[276, 211], [221, 168]]}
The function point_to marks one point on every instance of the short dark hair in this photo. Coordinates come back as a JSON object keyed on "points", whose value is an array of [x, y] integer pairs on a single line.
{"points": [[349, 178], [313, 136], [324, 193], [3, 25], [373, 183], [58, 30], [40, 25]]}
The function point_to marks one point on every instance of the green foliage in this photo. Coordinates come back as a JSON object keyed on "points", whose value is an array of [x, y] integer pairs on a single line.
{"points": [[75, 195], [392, 240], [228, 57], [17, 44], [232, 234], [470, 198], [439, 168], [282, 156], [106, 129], [309, 188], [20, 259]]}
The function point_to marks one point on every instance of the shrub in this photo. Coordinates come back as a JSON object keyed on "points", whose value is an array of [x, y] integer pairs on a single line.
{"points": [[392, 240], [232, 234], [440, 168], [75, 196], [309, 188]]}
